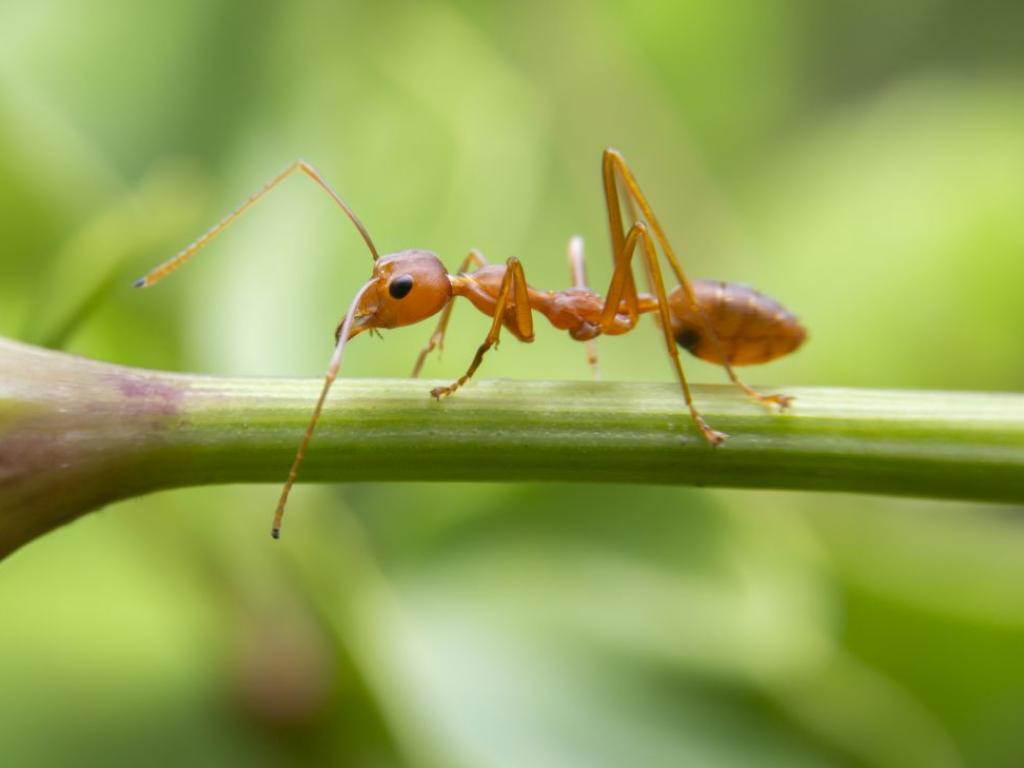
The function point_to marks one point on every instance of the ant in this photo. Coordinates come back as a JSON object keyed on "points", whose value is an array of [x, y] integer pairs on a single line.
{"points": [[724, 323]]}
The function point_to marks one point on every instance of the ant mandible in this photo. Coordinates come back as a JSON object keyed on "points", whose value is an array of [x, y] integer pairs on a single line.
{"points": [[723, 323]]}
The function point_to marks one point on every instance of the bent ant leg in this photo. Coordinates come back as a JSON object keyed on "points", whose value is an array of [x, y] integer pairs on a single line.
{"points": [[634, 217], [782, 401], [618, 291], [579, 280], [513, 283], [160, 272], [474, 259], [615, 171]]}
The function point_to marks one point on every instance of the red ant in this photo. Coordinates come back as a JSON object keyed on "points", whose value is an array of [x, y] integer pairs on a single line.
{"points": [[723, 323]]}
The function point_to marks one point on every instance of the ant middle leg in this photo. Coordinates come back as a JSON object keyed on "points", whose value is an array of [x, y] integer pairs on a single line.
{"points": [[579, 280], [782, 401], [619, 291], [513, 284], [617, 176], [474, 259]]}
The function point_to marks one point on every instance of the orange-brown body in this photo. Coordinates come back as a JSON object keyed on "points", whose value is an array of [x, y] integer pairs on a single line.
{"points": [[576, 310], [748, 326], [724, 323]]}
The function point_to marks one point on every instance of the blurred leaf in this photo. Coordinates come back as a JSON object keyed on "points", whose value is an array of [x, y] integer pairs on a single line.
{"points": [[82, 273], [860, 162], [898, 222]]}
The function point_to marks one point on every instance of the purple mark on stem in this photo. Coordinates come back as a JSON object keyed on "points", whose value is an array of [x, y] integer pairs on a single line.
{"points": [[158, 396]]}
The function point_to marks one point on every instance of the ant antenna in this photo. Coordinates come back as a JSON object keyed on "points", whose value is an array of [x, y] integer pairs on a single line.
{"points": [[187, 253], [332, 373]]}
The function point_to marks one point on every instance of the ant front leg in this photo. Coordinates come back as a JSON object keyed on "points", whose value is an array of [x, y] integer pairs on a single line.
{"points": [[513, 284], [579, 280], [474, 259]]}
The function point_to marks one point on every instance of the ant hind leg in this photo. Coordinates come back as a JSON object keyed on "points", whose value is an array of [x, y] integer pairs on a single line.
{"points": [[768, 401]]}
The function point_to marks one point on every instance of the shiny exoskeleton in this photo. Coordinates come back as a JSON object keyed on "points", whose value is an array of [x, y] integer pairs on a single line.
{"points": [[724, 323], [745, 327], [749, 327]]}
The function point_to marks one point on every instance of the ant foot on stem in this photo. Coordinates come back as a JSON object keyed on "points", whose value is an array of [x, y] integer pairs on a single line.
{"points": [[783, 401], [713, 436]]}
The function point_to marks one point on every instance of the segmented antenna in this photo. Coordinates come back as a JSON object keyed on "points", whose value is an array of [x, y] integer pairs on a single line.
{"points": [[160, 272]]}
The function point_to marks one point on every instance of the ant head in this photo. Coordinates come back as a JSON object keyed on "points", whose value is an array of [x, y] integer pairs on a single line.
{"points": [[405, 288]]}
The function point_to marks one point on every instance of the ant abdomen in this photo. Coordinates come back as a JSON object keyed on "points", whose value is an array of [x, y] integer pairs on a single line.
{"points": [[751, 327]]}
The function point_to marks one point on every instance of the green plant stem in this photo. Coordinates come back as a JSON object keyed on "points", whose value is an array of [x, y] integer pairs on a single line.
{"points": [[76, 434]]}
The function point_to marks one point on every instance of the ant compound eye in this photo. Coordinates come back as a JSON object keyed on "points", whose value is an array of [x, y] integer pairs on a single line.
{"points": [[399, 287]]}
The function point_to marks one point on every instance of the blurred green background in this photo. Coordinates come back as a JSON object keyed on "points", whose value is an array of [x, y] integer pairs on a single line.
{"points": [[862, 162]]}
